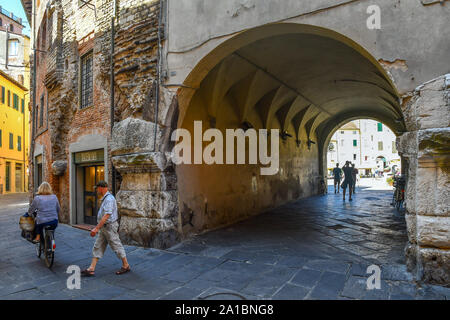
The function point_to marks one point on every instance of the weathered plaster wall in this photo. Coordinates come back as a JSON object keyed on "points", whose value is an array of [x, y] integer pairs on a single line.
{"points": [[410, 32]]}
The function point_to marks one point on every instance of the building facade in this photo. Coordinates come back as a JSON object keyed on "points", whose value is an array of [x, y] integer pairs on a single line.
{"points": [[14, 103], [369, 144], [14, 48], [14, 135], [114, 78]]}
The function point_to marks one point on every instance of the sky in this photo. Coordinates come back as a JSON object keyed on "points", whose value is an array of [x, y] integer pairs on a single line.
{"points": [[15, 6]]}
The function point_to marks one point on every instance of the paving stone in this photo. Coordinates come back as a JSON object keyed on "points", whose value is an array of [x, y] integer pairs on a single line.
{"points": [[291, 292], [263, 287], [328, 265], [395, 272], [214, 251], [200, 284], [301, 257], [355, 249], [292, 261], [358, 269], [182, 294], [306, 278], [156, 288], [279, 272], [329, 286], [218, 293], [355, 288], [182, 275], [31, 294]]}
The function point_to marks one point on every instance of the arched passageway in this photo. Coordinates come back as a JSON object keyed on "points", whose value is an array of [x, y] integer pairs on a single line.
{"points": [[305, 81]]}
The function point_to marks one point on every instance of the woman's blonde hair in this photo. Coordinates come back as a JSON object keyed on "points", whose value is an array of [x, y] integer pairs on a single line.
{"points": [[45, 189]]}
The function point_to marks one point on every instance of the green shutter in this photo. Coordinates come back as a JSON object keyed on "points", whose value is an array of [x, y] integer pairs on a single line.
{"points": [[355, 143], [3, 94], [11, 141], [380, 127], [16, 101], [19, 143], [23, 105]]}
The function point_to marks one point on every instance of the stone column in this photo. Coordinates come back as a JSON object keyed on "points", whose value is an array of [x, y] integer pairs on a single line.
{"points": [[147, 200], [426, 147]]}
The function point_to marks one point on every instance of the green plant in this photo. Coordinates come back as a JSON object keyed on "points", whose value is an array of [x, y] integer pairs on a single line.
{"points": [[390, 181]]}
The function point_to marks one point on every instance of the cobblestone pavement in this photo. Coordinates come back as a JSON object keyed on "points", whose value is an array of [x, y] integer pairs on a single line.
{"points": [[316, 248]]}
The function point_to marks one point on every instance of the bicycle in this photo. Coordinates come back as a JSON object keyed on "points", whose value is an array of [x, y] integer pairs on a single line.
{"points": [[47, 246], [398, 198]]}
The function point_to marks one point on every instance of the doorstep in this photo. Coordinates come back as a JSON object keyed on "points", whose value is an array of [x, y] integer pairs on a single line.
{"points": [[87, 227]]}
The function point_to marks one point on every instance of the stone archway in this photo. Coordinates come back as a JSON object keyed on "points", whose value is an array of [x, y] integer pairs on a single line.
{"points": [[327, 131], [301, 79]]}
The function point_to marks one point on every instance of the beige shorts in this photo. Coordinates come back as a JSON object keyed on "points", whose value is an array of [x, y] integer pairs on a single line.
{"points": [[108, 234]]}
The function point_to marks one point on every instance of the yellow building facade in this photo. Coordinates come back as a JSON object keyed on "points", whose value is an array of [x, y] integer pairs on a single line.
{"points": [[14, 135]]}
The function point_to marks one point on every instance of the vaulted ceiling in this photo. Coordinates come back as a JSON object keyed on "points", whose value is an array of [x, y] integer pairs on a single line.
{"points": [[302, 80]]}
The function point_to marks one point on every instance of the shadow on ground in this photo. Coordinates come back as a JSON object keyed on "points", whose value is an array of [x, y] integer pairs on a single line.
{"points": [[315, 248]]}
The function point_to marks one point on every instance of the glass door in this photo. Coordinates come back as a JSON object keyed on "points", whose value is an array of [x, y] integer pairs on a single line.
{"points": [[92, 175], [18, 177]]}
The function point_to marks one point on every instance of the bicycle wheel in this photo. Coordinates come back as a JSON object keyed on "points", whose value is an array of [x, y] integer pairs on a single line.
{"points": [[39, 249], [399, 205], [49, 253]]}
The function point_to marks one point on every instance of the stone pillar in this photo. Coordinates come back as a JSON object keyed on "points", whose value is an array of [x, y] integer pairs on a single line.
{"points": [[148, 199], [426, 147]]}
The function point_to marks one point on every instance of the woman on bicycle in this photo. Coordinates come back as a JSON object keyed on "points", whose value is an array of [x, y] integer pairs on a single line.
{"points": [[46, 206]]}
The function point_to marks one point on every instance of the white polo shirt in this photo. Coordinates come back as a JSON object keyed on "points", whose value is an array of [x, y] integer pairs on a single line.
{"points": [[108, 206]]}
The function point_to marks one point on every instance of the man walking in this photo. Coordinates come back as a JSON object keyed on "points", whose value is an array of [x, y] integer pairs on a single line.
{"points": [[348, 180], [337, 173], [107, 229], [354, 174]]}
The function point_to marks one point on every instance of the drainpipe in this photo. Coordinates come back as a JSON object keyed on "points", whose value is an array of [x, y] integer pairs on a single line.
{"points": [[23, 142], [7, 47], [158, 73], [113, 170], [33, 107]]}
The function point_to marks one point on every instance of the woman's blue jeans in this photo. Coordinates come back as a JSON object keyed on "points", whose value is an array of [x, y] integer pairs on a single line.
{"points": [[39, 227]]}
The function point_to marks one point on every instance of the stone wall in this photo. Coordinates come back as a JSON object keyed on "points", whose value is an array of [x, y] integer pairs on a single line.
{"points": [[426, 147], [66, 31], [147, 198]]}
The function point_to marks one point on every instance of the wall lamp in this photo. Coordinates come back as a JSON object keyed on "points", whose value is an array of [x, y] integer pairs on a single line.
{"points": [[309, 143], [246, 125], [285, 135]]}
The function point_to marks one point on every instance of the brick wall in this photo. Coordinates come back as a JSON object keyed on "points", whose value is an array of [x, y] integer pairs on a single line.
{"points": [[69, 32]]}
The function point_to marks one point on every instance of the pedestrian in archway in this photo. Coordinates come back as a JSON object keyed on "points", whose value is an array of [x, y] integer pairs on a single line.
{"points": [[354, 175], [107, 230], [348, 180], [337, 174]]}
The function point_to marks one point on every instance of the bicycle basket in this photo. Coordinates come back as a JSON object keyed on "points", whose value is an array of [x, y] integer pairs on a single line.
{"points": [[26, 223]]}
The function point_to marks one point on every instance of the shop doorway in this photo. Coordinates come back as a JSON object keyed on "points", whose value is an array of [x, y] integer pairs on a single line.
{"points": [[90, 169], [92, 175]]}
